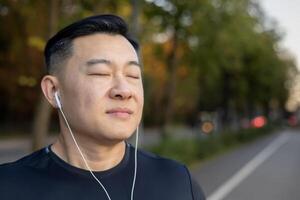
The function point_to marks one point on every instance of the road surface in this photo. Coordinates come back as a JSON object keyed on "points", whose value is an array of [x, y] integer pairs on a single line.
{"points": [[267, 169]]}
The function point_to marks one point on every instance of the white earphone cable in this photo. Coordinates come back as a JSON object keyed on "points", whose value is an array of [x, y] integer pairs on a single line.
{"points": [[135, 161], [86, 164]]}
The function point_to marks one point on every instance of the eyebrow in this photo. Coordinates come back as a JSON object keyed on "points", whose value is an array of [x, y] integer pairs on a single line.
{"points": [[97, 61], [92, 62], [134, 63]]}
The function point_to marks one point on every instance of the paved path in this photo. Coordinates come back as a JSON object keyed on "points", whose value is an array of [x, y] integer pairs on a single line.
{"points": [[267, 169], [13, 149]]}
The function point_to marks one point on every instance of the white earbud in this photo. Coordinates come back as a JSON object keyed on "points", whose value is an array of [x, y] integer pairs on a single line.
{"points": [[58, 103]]}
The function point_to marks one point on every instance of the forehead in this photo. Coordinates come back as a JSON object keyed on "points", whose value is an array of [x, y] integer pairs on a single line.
{"points": [[102, 44]]}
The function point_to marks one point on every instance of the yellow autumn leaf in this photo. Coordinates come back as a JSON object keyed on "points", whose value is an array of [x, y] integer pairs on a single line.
{"points": [[36, 42]]}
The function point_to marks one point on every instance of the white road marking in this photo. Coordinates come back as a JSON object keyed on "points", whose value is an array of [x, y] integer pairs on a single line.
{"points": [[245, 171]]}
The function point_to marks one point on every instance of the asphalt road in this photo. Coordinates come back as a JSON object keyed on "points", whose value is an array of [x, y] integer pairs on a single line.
{"points": [[267, 169], [13, 149]]}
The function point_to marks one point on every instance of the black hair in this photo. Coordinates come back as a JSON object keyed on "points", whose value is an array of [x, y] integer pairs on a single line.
{"points": [[59, 47]]}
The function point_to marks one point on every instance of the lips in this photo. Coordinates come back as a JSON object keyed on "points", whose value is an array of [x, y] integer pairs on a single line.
{"points": [[120, 112]]}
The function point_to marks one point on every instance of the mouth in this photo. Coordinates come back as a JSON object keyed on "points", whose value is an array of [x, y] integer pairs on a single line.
{"points": [[122, 113]]}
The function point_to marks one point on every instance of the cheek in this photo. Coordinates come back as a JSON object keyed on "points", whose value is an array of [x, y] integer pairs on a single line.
{"points": [[140, 98], [89, 98], [141, 94], [92, 97], [82, 92]]}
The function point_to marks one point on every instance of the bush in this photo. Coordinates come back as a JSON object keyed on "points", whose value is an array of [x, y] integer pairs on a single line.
{"points": [[192, 150]]}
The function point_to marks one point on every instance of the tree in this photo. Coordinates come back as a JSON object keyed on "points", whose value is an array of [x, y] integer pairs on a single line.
{"points": [[43, 110]]}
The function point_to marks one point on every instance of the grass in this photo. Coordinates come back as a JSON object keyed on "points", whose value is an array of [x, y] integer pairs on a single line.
{"points": [[13, 135], [191, 151]]}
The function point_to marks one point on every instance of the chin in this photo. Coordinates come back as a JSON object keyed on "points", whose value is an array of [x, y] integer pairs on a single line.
{"points": [[118, 134], [124, 135]]}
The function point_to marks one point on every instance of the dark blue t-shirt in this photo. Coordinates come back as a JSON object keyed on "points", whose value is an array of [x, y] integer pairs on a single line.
{"points": [[43, 175]]}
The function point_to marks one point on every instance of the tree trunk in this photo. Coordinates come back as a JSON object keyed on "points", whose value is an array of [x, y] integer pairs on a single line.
{"points": [[170, 87], [226, 93], [134, 19], [135, 32], [43, 111]]}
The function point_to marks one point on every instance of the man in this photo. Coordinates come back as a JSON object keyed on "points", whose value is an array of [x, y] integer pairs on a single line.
{"points": [[94, 80]]}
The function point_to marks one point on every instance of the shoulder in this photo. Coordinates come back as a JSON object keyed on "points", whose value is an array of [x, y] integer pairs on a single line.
{"points": [[14, 169], [170, 175], [163, 168], [163, 163]]}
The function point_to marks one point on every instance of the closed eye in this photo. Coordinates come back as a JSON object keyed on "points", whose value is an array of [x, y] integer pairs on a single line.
{"points": [[100, 74], [134, 77]]}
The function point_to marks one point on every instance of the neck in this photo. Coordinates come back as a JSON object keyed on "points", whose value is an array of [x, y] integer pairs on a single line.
{"points": [[99, 157]]}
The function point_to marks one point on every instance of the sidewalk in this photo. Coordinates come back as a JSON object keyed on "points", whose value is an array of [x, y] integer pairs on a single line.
{"points": [[13, 149]]}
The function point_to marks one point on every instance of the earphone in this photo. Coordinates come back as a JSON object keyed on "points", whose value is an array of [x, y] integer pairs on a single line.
{"points": [[59, 105]]}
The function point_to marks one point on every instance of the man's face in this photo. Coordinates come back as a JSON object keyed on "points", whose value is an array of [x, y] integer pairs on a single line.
{"points": [[101, 89]]}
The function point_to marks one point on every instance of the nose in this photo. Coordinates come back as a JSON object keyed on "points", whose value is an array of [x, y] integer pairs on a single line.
{"points": [[120, 90]]}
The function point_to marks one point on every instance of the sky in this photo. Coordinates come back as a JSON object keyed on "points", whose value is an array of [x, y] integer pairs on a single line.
{"points": [[287, 14]]}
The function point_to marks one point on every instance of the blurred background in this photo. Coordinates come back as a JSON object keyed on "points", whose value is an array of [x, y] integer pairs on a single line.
{"points": [[221, 81]]}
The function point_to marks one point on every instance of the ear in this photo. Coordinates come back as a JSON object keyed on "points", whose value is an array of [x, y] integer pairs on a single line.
{"points": [[50, 85]]}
